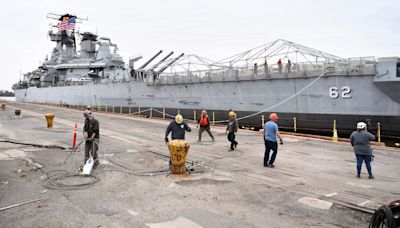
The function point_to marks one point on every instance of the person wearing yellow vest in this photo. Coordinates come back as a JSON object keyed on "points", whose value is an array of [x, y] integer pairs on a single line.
{"points": [[204, 123]]}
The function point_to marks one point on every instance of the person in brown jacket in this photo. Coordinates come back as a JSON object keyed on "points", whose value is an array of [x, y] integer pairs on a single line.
{"points": [[232, 129]]}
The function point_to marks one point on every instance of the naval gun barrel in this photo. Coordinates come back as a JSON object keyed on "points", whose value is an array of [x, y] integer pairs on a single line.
{"points": [[162, 60], [149, 61], [169, 64]]}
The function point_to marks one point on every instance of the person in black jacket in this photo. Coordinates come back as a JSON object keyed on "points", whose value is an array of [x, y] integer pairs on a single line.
{"points": [[204, 123], [177, 128]]}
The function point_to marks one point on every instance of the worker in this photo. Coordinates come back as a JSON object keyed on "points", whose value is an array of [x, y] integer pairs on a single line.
{"points": [[255, 69], [204, 123], [271, 132], [360, 141], [280, 66], [289, 66], [91, 132], [266, 67], [232, 129], [177, 128]]}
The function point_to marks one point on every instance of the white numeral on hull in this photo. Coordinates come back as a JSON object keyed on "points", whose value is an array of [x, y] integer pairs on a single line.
{"points": [[334, 92]]}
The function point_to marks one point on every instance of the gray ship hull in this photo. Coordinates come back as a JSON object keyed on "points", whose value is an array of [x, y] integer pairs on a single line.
{"points": [[353, 98]]}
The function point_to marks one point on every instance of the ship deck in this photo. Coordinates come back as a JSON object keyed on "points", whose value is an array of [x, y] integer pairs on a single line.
{"points": [[313, 183]]}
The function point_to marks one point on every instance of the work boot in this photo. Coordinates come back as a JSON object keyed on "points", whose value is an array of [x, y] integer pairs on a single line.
{"points": [[236, 144], [358, 176], [371, 177], [271, 166]]}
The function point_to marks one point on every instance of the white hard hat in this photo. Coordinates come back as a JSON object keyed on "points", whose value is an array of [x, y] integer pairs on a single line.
{"points": [[361, 125], [179, 119]]}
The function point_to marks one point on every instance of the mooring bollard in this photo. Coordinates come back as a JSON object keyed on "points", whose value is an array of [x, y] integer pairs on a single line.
{"points": [[262, 121], [163, 113], [335, 137], [294, 124], [3, 106], [17, 111], [178, 152], [379, 132], [213, 118], [49, 118]]}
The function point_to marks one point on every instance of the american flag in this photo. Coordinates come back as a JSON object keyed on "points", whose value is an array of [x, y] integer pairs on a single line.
{"points": [[67, 23]]}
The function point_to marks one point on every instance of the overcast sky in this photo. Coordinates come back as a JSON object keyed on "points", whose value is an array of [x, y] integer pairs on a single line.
{"points": [[209, 28]]}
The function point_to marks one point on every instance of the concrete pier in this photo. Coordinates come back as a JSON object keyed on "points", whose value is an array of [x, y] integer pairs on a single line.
{"points": [[313, 183]]}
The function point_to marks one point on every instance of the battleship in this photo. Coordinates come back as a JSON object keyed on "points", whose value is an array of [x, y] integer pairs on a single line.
{"points": [[310, 89]]}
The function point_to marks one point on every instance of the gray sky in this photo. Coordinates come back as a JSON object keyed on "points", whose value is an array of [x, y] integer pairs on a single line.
{"points": [[209, 28]]}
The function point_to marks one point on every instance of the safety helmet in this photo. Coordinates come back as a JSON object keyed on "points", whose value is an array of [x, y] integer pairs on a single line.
{"points": [[179, 119], [273, 116], [87, 113], [361, 125], [231, 113], [89, 108]]}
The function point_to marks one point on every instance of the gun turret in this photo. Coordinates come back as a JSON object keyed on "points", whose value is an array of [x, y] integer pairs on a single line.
{"points": [[169, 64], [149, 61], [162, 60]]}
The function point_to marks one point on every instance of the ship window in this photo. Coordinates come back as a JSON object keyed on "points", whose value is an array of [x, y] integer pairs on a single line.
{"points": [[398, 70]]}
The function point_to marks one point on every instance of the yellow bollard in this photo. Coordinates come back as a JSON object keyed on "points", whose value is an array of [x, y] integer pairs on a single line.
{"points": [[49, 118], [194, 116], [335, 137], [178, 150], [262, 121], [294, 124], [163, 113], [379, 132], [3, 106], [17, 111], [213, 118], [151, 113]]}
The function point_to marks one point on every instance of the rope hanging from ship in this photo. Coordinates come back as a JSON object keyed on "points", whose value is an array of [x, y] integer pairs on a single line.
{"points": [[264, 110]]}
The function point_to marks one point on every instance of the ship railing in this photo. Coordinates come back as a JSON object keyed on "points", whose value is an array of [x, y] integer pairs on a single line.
{"points": [[351, 66]]}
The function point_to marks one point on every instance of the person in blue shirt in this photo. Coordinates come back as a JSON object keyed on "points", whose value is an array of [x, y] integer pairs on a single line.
{"points": [[271, 132]]}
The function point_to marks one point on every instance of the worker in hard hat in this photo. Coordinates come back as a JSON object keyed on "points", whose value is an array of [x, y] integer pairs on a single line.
{"points": [[178, 127], [204, 123], [232, 129], [360, 141], [91, 132], [271, 132]]}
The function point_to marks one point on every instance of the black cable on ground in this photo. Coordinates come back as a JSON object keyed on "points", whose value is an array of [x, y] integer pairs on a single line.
{"points": [[383, 217]]}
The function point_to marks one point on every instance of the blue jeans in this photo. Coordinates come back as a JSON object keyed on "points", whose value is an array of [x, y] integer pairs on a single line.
{"points": [[367, 160]]}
